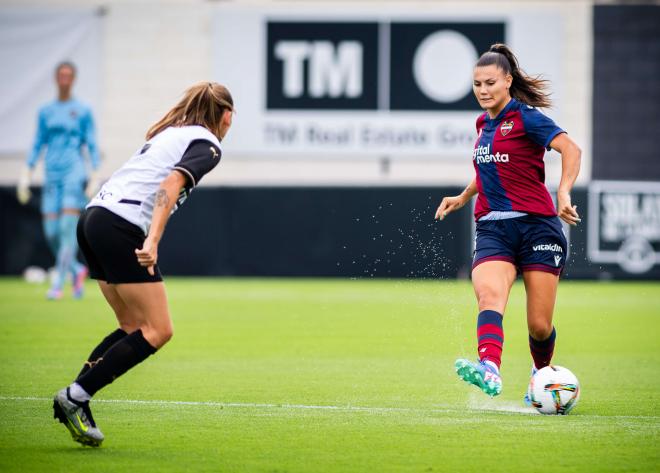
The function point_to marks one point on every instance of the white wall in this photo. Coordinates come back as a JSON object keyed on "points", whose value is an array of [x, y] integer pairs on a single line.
{"points": [[153, 50]]}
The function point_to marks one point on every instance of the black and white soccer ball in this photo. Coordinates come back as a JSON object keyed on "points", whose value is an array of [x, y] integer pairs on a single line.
{"points": [[554, 390]]}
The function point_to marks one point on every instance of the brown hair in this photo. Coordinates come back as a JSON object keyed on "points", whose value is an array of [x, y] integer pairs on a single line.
{"points": [[529, 90], [202, 104], [68, 65]]}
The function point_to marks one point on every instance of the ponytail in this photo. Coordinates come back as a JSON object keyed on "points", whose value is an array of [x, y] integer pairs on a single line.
{"points": [[203, 104], [527, 89]]}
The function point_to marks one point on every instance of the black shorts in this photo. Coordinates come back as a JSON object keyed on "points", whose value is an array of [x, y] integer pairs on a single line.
{"points": [[108, 243]]}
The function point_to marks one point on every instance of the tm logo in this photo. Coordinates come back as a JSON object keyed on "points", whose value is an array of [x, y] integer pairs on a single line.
{"points": [[332, 71], [373, 65]]}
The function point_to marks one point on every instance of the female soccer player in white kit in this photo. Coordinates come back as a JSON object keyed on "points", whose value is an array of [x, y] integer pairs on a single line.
{"points": [[119, 234]]}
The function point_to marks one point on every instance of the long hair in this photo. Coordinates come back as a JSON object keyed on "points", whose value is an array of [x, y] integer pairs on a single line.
{"points": [[527, 89], [202, 104]]}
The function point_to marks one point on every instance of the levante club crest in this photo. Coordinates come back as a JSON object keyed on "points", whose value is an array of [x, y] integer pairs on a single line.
{"points": [[506, 128]]}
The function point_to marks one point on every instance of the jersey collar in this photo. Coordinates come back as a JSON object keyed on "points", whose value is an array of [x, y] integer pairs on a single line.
{"points": [[503, 112]]}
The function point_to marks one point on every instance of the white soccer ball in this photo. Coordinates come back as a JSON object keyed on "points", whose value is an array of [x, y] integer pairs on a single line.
{"points": [[554, 390], [35, 275]]}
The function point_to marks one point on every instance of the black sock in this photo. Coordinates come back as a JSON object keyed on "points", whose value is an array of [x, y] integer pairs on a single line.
{"points": [[120, 358], [100, 350]]}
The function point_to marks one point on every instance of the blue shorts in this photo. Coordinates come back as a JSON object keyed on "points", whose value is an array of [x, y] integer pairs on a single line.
{"points": [[67, 193], [530, 243]]}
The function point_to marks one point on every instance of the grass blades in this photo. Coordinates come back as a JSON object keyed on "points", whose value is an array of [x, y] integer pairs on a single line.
{"points": [[272, 375]]}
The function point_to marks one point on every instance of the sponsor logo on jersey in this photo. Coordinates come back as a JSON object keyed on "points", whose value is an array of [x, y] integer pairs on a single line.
{"points": [[213, 152], [482, 155], [548, 247], [506, 128], [557, 259]]}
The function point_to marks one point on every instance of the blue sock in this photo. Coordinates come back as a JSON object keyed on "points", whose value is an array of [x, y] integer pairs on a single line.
{"points": [[66, 255], [52, 233], [76, 266], [490, 336], [71, 223]]}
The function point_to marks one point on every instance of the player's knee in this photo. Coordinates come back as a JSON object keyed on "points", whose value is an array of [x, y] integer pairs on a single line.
{"points": [[489, 298], [166, 334], [158, 336], [71, 211], [540, 329]]}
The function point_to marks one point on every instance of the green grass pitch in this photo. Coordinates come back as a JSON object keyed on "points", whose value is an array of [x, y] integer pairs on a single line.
{"points": [[332, 376]]}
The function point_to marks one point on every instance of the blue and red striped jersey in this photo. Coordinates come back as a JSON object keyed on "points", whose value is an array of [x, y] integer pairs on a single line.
{"points": [[508, 161]]}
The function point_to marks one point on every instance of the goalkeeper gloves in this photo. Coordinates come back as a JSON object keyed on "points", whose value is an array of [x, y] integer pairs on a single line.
{"points": [[23, 192]]}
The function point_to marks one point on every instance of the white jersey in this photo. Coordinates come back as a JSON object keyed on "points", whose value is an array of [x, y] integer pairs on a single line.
{"points": [[131, 190]]}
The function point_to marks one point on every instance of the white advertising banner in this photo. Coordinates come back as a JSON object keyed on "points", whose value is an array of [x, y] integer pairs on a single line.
{"points": [[32, 42], [372, 80], [624, 224]]}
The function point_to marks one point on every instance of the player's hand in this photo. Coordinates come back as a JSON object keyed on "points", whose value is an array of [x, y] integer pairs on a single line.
{"points": [[23, 192], [448, 205], [147, 256], [566, 211], [92, 185]]}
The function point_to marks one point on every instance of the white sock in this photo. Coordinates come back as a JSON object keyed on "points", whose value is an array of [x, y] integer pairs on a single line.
{"points": [[77, 393], [492, 365]]}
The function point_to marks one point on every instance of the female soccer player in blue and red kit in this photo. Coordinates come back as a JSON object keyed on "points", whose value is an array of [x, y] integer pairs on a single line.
{"points": [[518, 229]]}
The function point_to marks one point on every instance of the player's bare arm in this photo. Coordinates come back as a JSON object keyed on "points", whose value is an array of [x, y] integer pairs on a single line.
{"points": [[570, 167], [166, 197], [449, 204]]}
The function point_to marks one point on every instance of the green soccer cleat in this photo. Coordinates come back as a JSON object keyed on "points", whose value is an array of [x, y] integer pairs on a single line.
{"points": [[481, 374], [77, 417]]}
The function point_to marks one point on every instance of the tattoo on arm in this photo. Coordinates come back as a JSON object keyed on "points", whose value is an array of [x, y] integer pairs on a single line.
{"points": [[162, 200], [471, 189]]}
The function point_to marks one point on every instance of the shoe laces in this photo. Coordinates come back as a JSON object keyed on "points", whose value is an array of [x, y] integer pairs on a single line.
{"points": [[488, 367]]}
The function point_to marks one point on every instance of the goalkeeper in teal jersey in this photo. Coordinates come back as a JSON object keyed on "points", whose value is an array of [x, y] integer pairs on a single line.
{"points": [[64, 127]]}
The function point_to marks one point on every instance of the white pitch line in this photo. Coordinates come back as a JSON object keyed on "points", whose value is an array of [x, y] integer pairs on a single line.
{"points": [[243, 405], [247, 405]]}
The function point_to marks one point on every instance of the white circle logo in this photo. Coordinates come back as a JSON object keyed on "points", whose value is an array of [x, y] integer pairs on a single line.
{"points": [[443, 66]]}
